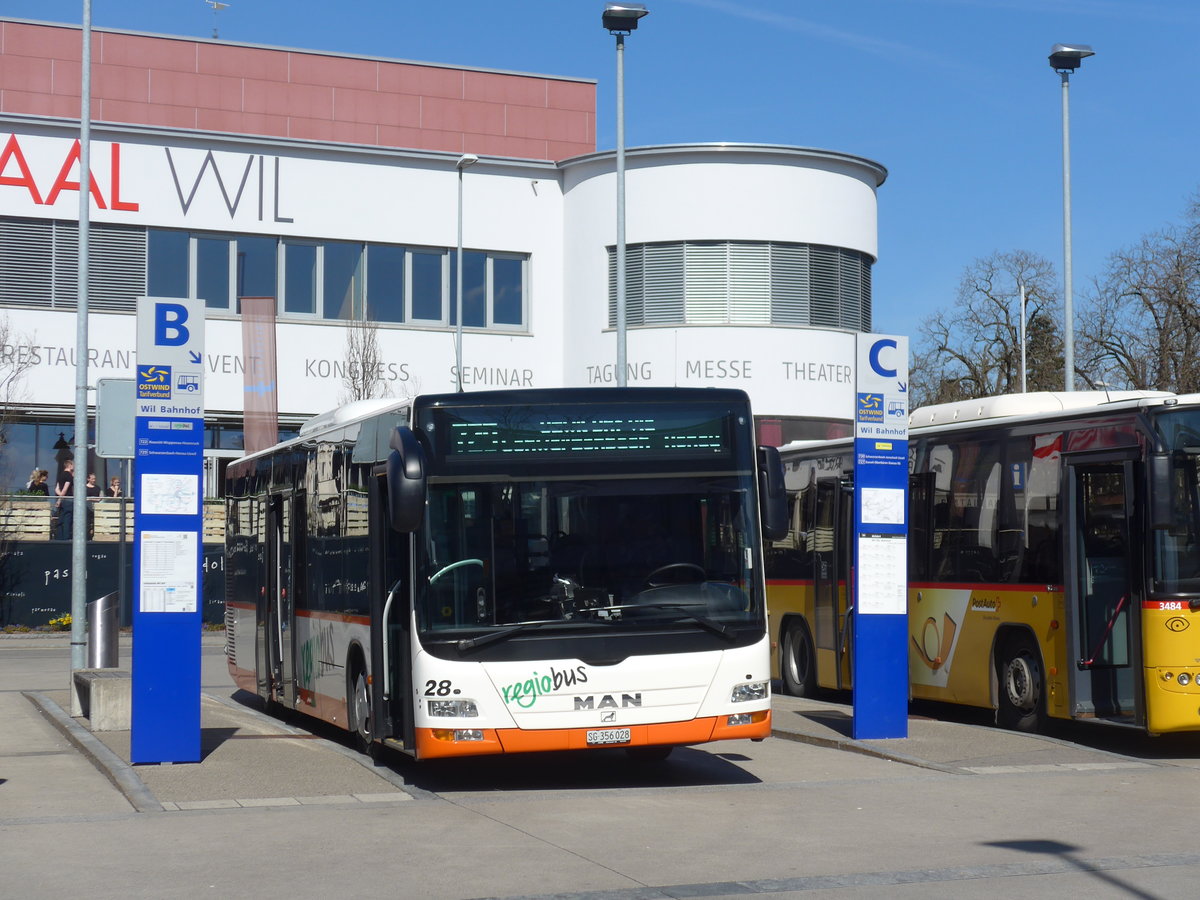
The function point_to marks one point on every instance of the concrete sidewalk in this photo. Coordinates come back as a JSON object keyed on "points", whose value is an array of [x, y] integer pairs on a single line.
{"points": [[945, 746], [253, 760]]}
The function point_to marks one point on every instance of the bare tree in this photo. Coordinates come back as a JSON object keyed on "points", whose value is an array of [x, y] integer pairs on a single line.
{"points": [[363, 375], [973, 349], [1141, 326]]}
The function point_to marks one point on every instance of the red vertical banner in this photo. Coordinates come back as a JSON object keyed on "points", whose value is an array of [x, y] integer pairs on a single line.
{"points": [[260, 391]]}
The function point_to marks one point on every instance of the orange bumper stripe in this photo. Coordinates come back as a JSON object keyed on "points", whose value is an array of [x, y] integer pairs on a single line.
{"points": [[516, 740]]}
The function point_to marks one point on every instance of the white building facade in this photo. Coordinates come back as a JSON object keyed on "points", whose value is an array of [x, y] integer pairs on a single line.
{"points": [[748, 266]]}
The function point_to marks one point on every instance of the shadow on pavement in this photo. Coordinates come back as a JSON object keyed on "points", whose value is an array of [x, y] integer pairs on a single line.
{"points": [[599, 769]]}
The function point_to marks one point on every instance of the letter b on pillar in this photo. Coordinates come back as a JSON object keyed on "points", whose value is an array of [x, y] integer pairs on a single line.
{"points": [[169, 328]]}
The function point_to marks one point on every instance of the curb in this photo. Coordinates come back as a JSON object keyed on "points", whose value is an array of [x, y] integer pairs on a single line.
{"points": [[853, 746], [119, 772]]}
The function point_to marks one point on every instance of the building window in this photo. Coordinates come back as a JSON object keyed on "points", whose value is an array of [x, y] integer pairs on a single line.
{"points": [[257, 267], [341, 279], [212, 271], [334, 280], [299, 278], [428, 286], [743, 283], [385, 283]]}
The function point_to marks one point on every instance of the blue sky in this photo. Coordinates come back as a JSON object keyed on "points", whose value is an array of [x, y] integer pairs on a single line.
{"points": [[955, 97]]}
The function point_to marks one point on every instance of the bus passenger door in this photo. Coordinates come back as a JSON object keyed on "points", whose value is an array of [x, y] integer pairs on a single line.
{"points": [[280, 611], [391, 617], [1102, 603], [833, 520]]}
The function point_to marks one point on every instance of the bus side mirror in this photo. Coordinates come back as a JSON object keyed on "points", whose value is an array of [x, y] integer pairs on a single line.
{"points": [[771, 494], [406, 481], [1161, 483]]}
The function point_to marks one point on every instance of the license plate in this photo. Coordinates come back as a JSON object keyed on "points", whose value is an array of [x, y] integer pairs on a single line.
{"points": [[608, 736]]}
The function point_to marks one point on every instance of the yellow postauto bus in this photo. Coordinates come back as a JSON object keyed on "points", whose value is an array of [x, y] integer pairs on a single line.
{"points": [[1053, 560]]}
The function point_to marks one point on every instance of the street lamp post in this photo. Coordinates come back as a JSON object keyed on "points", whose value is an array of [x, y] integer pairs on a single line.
{"points": [[467, 159], [1024, 382], [1065, 59], [621, 19]]}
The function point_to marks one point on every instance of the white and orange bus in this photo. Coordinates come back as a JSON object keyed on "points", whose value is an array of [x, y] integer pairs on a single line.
{"points": [[496, 572], [1053, 564]]}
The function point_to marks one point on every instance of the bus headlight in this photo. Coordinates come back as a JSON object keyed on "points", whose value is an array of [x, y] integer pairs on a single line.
{"points": [[753, 690], [453, 709], [1184, 678]]}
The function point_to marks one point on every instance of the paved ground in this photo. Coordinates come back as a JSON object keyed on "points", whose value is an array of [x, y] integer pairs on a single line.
{"points": [[956, 809]]}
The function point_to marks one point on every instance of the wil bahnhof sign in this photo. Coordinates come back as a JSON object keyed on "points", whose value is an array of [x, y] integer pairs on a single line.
{"points": [[168, 527]]}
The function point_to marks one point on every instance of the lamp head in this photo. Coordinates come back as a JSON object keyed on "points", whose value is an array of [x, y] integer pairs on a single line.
{"points": [[1067, 57], [622, 18], [467, 159]]}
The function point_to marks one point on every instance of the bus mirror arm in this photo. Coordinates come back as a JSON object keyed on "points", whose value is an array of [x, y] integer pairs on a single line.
{"points": [[406, 481], [1161, 484], [771, 494]]}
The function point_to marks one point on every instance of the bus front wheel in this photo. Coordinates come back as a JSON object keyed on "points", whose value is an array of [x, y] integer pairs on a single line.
{"points": [[362, 722], [1021, 686], [796, 669]]}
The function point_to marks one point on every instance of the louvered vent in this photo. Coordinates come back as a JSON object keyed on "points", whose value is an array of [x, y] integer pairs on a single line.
{"points": [[743, 283], [39, 264]]}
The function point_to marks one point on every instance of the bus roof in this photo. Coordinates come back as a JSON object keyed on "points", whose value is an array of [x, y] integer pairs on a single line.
{"points": [[1039, 403]]}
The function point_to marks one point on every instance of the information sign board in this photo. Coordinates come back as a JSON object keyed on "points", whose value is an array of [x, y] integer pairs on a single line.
{"points": [[880, 663], [168, 525]]}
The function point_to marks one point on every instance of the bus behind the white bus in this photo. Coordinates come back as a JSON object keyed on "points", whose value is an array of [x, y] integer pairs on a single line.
{"points": [[1053, 564]]}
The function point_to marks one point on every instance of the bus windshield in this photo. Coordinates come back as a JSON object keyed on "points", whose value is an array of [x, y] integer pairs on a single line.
{"points": [[586, 554], [1177, 548]]}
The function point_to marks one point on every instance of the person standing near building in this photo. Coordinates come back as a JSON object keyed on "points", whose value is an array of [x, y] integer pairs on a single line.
{"points": [[93, 493], [65, 490], [38, 484]]}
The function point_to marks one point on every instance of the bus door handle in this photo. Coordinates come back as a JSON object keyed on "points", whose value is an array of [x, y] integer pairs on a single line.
{"points": [[387, 672]]}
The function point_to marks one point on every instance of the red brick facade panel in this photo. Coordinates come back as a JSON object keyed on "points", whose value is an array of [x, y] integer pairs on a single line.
{"points": [[241, 123], [246, 62], [190, 89], [279, 98], [461, 115], [152, 53], [493, 87], [45, 43], [177, 82], [25, 103], [571, 95], [550, 124], [328, 130], [334, 71], [148, 113], [121, 83], [377, 108], [497, 145], [24, 73], [426, 81]]}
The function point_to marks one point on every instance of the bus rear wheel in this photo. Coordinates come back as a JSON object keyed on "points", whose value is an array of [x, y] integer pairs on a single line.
{"points": [[1021, 686], [362, 722], [796, 661]]}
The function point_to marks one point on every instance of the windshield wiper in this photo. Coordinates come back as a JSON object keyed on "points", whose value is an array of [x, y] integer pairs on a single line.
{"points": [[492, 637], [705, 622]]}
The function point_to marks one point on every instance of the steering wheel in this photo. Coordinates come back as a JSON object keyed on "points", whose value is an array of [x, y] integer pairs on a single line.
{"points": [[680, 567]]}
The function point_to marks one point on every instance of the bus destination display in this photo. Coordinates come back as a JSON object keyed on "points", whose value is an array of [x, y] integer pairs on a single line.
{"points": [[525, 432]]}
